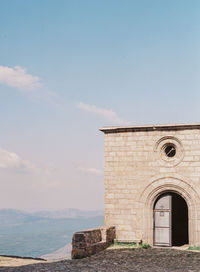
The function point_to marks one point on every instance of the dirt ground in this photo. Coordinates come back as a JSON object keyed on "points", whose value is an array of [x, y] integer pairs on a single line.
{"points": [[10, 261], [119, 260]]}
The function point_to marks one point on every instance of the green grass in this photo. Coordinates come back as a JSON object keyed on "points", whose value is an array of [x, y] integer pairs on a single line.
{"points": [[145, 246], [130, 245], [125, 244], [194, 248], [120, 244]]}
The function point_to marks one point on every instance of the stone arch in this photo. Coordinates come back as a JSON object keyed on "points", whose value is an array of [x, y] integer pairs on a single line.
{"points": [[169, 184]]}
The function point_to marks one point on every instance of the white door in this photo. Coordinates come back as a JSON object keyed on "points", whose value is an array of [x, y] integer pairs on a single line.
{"points": [[162, 221]]}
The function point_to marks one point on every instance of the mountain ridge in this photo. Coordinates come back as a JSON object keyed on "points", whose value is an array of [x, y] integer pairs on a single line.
{"points": [[36, 234], [58, 213]]}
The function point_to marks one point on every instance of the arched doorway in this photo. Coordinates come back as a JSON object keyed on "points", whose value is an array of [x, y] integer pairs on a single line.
{"points": [[170, 220]]}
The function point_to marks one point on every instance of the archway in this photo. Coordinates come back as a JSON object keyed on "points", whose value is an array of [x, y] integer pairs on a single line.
{"points": [[170, 220]]}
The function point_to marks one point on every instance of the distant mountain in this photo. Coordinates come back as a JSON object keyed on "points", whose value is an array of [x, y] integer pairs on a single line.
{"points": [[68, 213], [34, 234], [11, 217]]}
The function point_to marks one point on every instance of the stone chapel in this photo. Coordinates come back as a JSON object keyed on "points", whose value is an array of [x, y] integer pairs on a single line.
{"points": [[152, 183]]}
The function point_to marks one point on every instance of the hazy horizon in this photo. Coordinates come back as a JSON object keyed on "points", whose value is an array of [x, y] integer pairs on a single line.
{"points": [[52, 209]]}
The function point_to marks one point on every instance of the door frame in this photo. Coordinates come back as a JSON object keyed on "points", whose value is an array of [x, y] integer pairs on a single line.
{"points": [[159, 186]]}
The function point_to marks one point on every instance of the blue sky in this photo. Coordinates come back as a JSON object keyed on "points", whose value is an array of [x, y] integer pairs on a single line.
{"points": [[70, 67]]}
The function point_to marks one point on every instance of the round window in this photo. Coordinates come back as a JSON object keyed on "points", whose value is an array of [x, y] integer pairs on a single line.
{"points": [[170, 150]]}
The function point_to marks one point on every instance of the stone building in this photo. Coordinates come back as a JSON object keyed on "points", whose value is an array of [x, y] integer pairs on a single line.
{"points": [[152, 183]]}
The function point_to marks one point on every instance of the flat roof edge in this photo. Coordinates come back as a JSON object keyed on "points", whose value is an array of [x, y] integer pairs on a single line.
{"points": [[117, 129]]}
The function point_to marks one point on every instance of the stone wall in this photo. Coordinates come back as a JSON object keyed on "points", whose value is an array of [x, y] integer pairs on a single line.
{"points": [[88, 242], [137, 171]]}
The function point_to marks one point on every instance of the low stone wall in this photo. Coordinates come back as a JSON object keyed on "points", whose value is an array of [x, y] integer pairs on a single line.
{"points": [[88, 242]]}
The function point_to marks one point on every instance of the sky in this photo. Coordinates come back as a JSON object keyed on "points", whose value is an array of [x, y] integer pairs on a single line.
{"points": [[69, 67]]}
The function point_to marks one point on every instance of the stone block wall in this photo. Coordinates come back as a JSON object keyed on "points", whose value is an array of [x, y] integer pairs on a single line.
{"points": [[88, 242], [137, 171]]}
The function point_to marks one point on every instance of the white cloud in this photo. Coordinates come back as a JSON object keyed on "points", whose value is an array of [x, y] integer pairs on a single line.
{"points": [[90, 170], [107, 114], [10, 160], [18, 78], [14, 163], [28, 84]]}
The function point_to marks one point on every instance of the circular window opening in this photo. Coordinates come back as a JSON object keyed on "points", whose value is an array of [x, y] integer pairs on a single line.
{"points": [[170, 150]]}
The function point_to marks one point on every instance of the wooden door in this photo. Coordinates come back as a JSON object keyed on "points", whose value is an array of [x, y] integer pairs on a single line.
{"points": [[162, 220]]}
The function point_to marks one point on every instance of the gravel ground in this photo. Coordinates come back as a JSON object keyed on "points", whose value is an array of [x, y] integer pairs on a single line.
{"points": [[114, 260]]}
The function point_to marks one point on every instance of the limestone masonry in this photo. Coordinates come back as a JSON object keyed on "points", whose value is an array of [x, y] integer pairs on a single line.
{"points": [[152, 183]]}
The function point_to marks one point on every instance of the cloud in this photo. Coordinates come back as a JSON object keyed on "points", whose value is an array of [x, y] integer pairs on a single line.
{"points": [[14, 163], [10, 160], [18, 78], [28, 84], [107, 114], [90, 170]]}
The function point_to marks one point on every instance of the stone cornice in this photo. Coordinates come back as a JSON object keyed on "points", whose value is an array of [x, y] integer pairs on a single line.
{"points": [[167, 127]]}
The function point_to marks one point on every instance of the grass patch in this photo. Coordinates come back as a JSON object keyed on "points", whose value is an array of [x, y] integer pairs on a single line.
{"points": [[194, 248], [129, 245], [125, 244], [144, 246]]}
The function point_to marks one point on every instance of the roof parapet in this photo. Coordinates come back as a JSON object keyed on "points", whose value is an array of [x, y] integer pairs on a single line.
{"points": [[167, 127]]}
